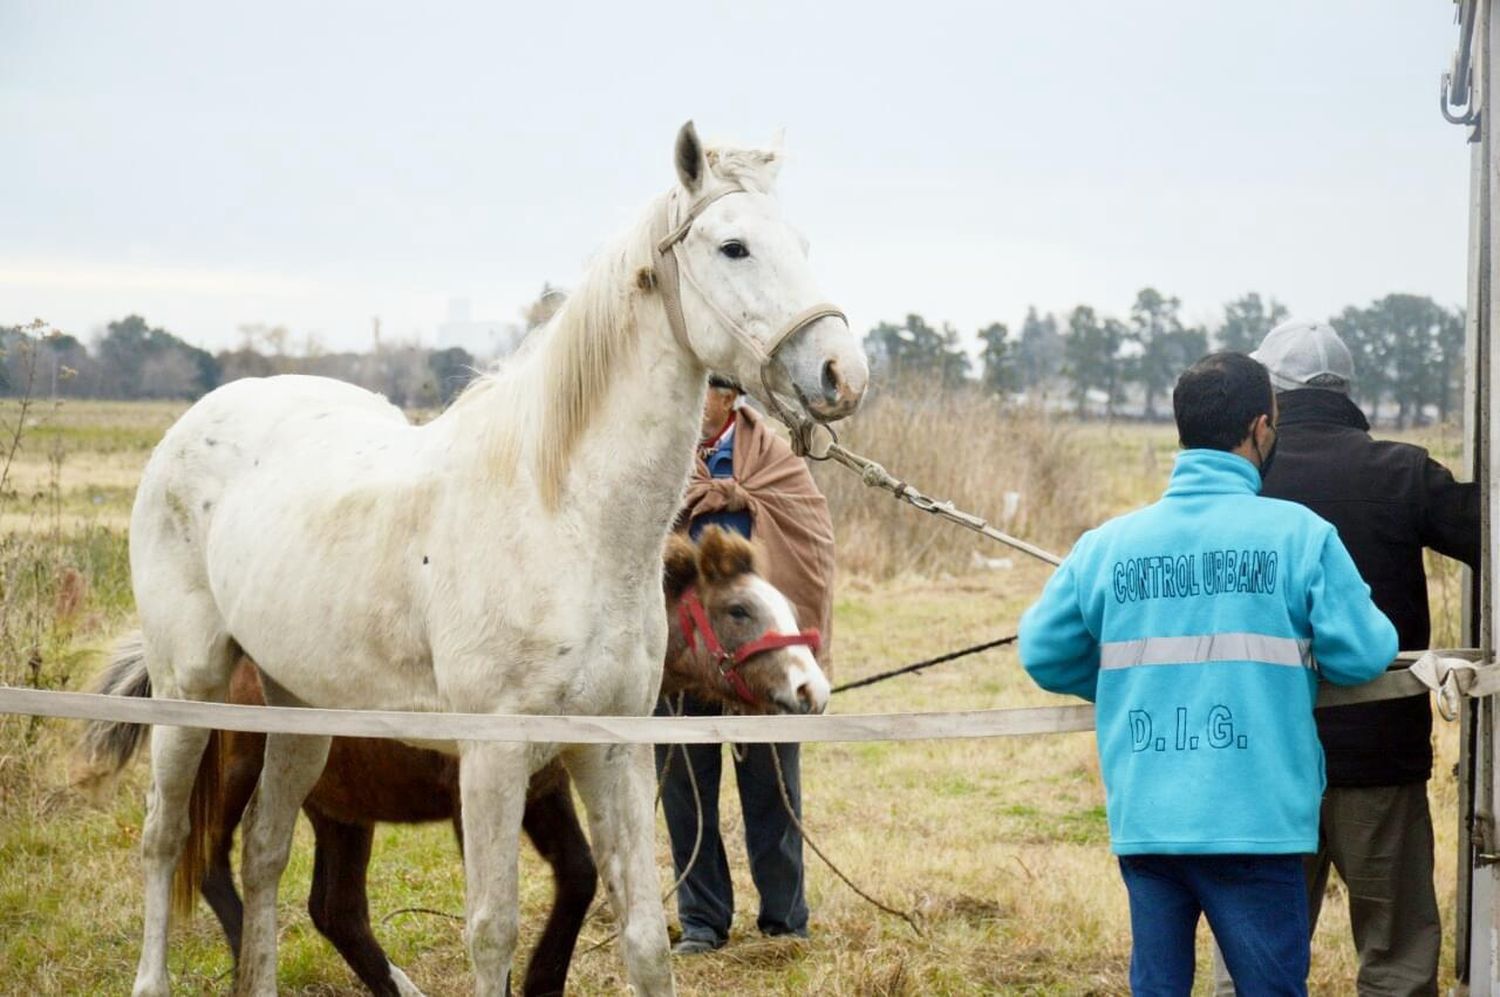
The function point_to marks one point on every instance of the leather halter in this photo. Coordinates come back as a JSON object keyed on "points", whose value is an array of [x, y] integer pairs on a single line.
{"points": [[693, 620], [671, 270]]}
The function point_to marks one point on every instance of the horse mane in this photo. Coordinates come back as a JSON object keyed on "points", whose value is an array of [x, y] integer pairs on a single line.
{"points": [[753, 169], [679, 565], [724, 555], [719, 555], [560, 375], [580, 347]]}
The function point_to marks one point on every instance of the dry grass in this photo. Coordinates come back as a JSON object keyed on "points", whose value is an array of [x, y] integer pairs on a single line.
{"points": [[999, 845], [78, 462], [968, 448]]}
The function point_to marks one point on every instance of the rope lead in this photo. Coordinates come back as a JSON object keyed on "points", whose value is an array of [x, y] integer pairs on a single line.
{"points": [[873, 475]]}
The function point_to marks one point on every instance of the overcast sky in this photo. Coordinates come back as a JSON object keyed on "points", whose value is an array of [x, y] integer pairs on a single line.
{"points": [[317, 164]]}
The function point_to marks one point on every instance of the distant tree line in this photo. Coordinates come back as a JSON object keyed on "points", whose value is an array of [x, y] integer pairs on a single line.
{"points": [[1408, 354], [133, 360]]}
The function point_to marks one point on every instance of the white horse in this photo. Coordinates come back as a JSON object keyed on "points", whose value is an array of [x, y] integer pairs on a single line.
{"points": [[504, 558]]}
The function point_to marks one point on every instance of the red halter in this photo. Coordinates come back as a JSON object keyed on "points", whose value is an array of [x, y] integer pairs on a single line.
{"points": [[692, 618]]}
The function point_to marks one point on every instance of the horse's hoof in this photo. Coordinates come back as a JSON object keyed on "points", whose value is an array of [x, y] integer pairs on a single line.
{"points": [[404, 986]]}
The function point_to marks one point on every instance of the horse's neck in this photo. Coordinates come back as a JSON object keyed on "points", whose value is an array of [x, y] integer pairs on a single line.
{"points": [[635, 458], [628, 469]]}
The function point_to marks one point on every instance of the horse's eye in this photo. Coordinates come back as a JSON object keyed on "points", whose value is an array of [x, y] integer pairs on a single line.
{"points": [[734, 249], [738, 612]]}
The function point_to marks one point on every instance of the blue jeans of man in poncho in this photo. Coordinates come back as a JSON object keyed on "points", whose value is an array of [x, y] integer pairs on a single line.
{"points": [[705, 901]]}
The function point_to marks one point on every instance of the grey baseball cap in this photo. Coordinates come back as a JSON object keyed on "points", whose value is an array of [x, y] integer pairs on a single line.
{"points": [[1303, 354]]}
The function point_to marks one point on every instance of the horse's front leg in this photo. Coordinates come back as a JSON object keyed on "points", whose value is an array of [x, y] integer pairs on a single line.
{"points": [[616, 783], [492, 782], [293, 764]]}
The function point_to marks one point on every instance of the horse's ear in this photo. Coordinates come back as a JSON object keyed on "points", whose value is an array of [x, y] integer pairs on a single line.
{"points": [[679, 565], [776, 154], [723, 555], [692, 165]]}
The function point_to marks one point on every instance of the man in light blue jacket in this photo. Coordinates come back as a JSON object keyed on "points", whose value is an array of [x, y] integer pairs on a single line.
{"points": [[1200, 626]]}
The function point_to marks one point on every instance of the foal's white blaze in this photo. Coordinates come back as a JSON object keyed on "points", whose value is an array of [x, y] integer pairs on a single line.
{"points": [[804, 679]]}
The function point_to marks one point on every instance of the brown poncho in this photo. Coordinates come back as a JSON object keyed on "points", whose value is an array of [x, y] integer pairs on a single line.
{"points": [[789, 519]]}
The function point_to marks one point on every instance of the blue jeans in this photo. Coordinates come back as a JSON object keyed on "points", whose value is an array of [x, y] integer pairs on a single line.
{"points": [[1256, 906], [705, 901]]}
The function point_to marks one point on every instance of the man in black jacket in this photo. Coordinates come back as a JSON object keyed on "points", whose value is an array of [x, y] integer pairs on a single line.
{"points": [[1388, 501]]}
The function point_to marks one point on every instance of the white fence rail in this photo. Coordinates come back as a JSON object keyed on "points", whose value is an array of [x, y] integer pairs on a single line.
{"points": [[443, 727]]}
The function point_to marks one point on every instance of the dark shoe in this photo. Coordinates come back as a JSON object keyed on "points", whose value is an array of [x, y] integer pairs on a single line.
{"points": [[690, 945], [800, 933]]}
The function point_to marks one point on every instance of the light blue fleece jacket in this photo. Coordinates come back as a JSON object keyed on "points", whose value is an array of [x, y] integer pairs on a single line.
{"points": [[1200, 626]]}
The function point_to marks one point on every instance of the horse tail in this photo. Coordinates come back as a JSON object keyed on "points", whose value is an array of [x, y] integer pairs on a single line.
{"points": [[107, 746], [205, 815]]}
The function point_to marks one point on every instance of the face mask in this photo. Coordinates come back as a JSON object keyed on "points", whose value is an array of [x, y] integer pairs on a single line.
{"points": [[1268, 458]]}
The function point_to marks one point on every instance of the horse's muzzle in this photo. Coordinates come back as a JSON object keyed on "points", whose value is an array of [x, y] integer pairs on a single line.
{"points": [[840, 394]]}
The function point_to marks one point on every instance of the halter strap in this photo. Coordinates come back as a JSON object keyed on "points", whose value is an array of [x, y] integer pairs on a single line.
{"points": [[671, 270], [676, 235], [802, 320], [664, 259], [692, 620]]}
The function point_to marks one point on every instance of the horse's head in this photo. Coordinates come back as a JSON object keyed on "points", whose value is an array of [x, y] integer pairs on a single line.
{"points": [[736, 275], [734, 637]]}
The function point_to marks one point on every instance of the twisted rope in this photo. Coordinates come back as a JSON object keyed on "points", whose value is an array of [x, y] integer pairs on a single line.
{"points": [[873, 475], [786, 801]]}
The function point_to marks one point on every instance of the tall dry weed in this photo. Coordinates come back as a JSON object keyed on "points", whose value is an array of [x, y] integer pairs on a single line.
{"points": [[57, 584], [1018, 467]]}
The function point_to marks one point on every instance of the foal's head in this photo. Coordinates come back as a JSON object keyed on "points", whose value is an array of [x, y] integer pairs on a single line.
{"points": [[753, 659]]}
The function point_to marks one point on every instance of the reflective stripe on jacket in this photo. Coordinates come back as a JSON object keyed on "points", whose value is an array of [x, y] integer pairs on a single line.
{"points": [[1199, 626]]}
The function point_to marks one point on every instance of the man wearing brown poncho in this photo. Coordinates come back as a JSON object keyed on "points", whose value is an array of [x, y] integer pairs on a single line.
{"points": [[747, 479]]}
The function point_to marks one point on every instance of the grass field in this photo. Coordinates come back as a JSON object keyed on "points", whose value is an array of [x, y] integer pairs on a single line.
{"points": [[998, 846]]}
